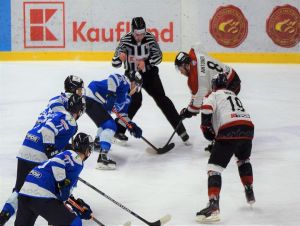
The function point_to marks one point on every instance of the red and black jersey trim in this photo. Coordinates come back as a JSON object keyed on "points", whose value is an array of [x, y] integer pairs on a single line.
{"points": [[237, 130]]}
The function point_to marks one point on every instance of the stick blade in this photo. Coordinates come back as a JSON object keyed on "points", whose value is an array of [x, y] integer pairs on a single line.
{"points": [[128, 223], [165, 149], [165, 219], [160, 151]]}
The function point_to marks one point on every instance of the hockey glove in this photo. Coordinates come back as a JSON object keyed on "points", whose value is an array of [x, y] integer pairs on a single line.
{"points": [[110, 100], [86, 214], [210, 147], [208, 132], [135, 130], [185, 113], [64, 189], [50, 150]]}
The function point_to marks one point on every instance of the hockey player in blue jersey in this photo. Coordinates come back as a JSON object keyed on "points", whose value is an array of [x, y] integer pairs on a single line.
{"points": [[73, 85], [102, 97], [42, 142], [49, 185]]}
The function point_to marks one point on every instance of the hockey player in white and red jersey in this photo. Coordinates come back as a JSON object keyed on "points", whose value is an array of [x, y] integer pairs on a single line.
{"points": [[200, 68], [225, 120]]}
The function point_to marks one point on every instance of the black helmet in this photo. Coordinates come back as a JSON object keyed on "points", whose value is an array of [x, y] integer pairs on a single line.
{"points": [[219, 81], [182, 58], [76, 104], [82, 143], [138, 23], [72, 83]]}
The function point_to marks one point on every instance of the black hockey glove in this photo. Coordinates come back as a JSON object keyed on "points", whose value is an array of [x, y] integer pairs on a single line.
{"points": [[185, 113], [208, 132], [210, 146], [110, 101], [50, 150], [135, 130], [64, 189], [86, 214]]}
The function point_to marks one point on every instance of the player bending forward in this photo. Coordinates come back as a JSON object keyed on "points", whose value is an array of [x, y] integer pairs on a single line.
{"points": [[200, 69], [225, 119], [102, 97], [42, 142], [49, 185]]}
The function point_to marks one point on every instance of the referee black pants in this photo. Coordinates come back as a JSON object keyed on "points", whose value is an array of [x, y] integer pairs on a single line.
{"points": [[153, 86]]}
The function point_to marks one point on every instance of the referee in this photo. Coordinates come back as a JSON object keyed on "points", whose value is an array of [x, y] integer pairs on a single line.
{"points": [[139, 51]]}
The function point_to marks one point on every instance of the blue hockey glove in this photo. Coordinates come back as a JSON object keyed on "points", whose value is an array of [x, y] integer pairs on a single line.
{"points": [[50, 150], [135, 130], [110, 100], [64, 189], [185, 113], [86, 214]]}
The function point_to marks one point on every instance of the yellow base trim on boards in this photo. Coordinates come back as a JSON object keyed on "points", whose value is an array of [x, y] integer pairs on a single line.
{"points": [[284, 58]]}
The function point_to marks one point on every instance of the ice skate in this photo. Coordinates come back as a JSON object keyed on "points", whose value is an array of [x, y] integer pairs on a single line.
{"points": [[104, 163], [249, 194], [209, 214], [120, 138], [185, 139], [4, 217]]}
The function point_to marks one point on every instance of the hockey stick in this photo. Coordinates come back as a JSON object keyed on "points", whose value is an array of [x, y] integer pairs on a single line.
{"points": [[162, 150], [177, 127], [159, 222], [73, 203]]}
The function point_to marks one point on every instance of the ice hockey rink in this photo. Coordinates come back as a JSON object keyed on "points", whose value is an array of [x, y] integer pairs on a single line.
{"points": [[174, 183]]}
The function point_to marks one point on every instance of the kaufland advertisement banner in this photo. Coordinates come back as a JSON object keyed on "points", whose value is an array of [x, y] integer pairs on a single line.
{"points": [[90, 25], [97, 25]]}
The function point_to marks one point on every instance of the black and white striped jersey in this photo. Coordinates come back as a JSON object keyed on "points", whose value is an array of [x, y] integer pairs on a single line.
{"points": [[148, 50]]}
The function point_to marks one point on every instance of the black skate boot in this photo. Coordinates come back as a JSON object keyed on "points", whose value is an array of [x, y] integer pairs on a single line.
{"points": [[249, 194], [104, 163], [185, 138], [120, 138], [211, 213], [4, 217]]}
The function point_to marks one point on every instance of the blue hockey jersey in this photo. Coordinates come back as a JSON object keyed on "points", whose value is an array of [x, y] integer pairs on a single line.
{"points": [[42, 181], [116, 83], [56, 104], [57, 130]]}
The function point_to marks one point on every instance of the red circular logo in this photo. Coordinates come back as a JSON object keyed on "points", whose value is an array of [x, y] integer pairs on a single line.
{"points": [[283, 26], [228, 26]]}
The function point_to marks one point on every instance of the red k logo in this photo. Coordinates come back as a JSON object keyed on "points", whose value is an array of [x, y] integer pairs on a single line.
{"points": [[44, 25]]}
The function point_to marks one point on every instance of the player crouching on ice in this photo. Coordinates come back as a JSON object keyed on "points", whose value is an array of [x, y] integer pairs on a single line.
{"points": [[43, 141], [225, 119], [104, 96], [49, 185]]}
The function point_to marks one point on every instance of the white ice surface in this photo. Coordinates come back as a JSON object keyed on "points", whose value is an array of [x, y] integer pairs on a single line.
{"points": [[174, 183]]}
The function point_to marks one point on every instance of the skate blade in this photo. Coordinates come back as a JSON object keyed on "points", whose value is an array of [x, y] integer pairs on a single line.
{"points": [[203, 219], [101, 166], [251, 202], [119, 142], [187, 143]]}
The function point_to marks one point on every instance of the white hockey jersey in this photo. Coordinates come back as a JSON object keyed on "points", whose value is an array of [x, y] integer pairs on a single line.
{"points": [[228, 112], [203, 68]]}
